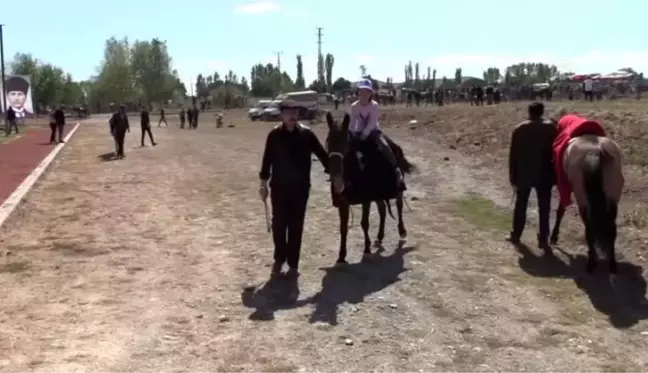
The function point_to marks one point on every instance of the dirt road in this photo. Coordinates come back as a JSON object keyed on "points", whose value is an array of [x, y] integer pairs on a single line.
{"points": [[159, 262]]}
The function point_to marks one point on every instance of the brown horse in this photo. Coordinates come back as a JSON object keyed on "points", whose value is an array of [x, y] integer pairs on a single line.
{"points": [[342, 166], [594, 168]]}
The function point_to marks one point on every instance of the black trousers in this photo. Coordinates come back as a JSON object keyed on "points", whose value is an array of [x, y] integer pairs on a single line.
{"points": [[162, 119], [11, 124], [56, 128], [120, 136], [288, 214], [543, 194], [147, 129]]}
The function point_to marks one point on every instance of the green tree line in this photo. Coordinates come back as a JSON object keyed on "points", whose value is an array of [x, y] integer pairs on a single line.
{"points": [[141, 72]]}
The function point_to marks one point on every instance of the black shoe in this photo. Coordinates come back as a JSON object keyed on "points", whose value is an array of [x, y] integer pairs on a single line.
{"points": [[61, 142], [154, 143], [276, 269], [293, 272]]}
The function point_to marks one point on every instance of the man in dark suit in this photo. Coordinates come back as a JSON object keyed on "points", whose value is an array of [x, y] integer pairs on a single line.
{"points": [[11, 123], [57, 123], [17, 90], [118, 127], [146, 125], [287, 165], [531, 167]]}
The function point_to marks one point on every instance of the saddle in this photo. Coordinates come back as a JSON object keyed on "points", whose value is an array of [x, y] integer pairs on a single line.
{"points": [[368, 174]]}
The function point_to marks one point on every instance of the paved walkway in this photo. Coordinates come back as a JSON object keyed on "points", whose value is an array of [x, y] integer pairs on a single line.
{"points": [[19, 156]]}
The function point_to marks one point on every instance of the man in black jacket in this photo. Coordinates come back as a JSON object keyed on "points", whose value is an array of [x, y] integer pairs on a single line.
{"points": [[11, 122], [57, 123], [145, 121], [531, 167], [118, 127], [287, 157]]}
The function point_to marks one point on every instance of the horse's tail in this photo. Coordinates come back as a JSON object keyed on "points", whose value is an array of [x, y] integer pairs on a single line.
{"points": [[403, 163], [389, 209], [597, 201]]}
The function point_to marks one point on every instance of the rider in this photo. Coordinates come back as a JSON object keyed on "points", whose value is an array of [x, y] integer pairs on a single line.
{"points": [[364, 114], [570, 126]]}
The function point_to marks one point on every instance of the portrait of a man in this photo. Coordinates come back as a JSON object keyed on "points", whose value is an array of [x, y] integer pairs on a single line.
{"points": [[17, 89]]}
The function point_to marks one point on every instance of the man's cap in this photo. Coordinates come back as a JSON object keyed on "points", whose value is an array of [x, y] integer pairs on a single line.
{"points": [[289, 104], [365, 84], [17, 84]]}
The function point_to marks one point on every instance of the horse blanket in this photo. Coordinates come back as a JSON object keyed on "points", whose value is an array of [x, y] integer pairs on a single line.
{"points": [[570, 126], [368, 175]]}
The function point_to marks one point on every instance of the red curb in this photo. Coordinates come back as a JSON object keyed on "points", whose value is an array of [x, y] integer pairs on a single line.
{"points": [[20, 156]]}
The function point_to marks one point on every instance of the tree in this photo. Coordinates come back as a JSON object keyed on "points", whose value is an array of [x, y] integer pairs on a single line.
{"points": [[299, 81], [363, 71], [341, 85], [267, 81], [458, 78], [525, 73], [328, 62], [417, 77], [492, 75]]}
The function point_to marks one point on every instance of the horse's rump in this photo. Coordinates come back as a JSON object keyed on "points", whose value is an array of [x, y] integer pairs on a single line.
{"points": [[577, 160]]}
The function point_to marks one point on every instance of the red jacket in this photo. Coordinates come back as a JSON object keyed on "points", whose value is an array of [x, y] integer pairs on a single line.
{"points": [[570, 126]]}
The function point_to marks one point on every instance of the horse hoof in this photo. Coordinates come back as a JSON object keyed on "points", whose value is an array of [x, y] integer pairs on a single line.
{"points": [[367, 256], [377, 243], [340, 263], [553, 240]]}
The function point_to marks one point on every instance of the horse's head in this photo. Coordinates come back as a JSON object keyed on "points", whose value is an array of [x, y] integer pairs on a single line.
{"points": [[337, 144]]}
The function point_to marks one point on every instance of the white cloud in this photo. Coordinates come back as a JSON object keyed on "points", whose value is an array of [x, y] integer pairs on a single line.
{"points": [[257, 7]]}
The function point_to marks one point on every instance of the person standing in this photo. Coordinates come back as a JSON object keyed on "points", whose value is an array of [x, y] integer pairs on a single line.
{"points": [[162, 118], [11, 121], [145, 121], [287, 164], [195, 117], [531, 167], [588, 89], [118, 127], [57, 124], [182, 118]]}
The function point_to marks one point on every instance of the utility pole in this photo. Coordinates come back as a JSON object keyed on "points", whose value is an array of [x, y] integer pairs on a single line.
{"points": [[3, 94], [279, 54], [320, 58]]}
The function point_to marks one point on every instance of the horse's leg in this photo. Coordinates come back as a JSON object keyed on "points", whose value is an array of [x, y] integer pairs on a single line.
{"points": [[592, 257], [611, 250], [364, 223], [343, 212], [402, 232], [555, 232], [382, 212]]}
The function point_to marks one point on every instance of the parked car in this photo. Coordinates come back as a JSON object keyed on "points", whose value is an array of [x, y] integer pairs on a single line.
{"points": [[255, 112], [271, 112]]}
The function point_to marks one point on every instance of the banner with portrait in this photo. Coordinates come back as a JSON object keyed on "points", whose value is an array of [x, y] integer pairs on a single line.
{"points": [[18, 91]]}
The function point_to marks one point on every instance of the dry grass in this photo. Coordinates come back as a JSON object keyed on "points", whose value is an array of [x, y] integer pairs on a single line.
{"points": [[159, 262]]}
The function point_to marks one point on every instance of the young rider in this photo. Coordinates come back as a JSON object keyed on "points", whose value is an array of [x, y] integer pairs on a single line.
{"points": [[364, 114]]}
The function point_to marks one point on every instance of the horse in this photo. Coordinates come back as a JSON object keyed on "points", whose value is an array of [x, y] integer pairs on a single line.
{"points": [[344, 168], [594, 167]]}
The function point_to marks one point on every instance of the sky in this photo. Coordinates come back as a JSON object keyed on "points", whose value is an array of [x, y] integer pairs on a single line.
{"points": [[218, 35]]}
